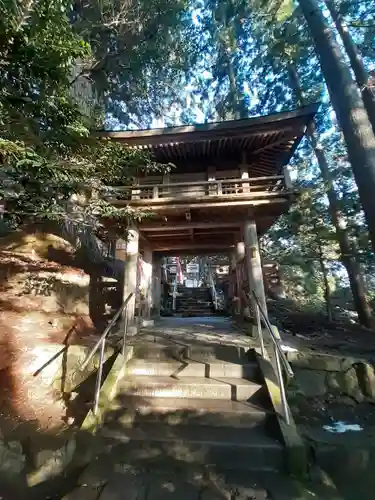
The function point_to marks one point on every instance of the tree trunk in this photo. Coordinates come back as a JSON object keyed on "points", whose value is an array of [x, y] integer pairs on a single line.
{"points": [[236, 99], [327, 288], [348, 105], [347, 256], [356, 62]]}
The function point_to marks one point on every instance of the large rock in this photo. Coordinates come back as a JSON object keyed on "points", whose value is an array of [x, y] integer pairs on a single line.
{"points": [[366, 379], [351, 386], [12, 461], [51, 463]]}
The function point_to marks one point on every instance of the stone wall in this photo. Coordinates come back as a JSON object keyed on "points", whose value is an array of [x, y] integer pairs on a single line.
{"points": [[321, 374]]}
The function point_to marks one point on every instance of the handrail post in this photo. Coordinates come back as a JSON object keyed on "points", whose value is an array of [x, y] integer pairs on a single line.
{"points": [[282, 386], [260, 331], [174, 295], [100, 344], [279, 356], [125, 332], [99, 377]]}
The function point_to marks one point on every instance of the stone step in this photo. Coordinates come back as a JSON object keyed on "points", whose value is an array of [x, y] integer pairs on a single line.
{"points": [[239, 449], [201, 298], [194, 300], [196, 312], [198, 352], [211, 369], [191, 387], [132, 411], [192, 482], [195, 305], [200, 314]]}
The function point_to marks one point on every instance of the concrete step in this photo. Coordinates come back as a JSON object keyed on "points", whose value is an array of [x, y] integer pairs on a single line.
{"points": [[211, 369], [133, 411], [191, 387], [239, 449]]}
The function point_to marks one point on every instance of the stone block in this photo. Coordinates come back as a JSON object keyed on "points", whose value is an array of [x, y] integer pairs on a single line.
{"points": [[320, 362], [311, 382], [69, 374]]}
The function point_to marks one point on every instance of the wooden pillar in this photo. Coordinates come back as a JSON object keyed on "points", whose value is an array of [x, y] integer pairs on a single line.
{"points": [[233, 261], [156, 286], [244, 172], [287, 178], [241, 304], [131, 272], [254, 265], [165, 190], [211, 176], [147, 257]]}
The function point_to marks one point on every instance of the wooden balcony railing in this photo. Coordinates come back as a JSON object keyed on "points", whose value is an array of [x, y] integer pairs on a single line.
{"points": [[252, 187]]}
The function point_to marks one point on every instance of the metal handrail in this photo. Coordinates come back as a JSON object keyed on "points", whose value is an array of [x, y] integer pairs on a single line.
{"points": [[174, 295], [279, 354], [101, 344], [213, 288]]}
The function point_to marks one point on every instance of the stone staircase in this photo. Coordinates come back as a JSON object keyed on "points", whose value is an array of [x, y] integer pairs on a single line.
{"points": [[188, 420], [199, 414], [196, 403], [194, 302]]}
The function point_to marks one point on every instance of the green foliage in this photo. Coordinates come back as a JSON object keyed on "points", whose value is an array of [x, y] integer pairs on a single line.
{"points": [[48, 159]]}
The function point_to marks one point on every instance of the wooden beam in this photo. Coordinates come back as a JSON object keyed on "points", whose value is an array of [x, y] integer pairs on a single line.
{"points": [[188, 251], [271, 199], [159, 226], [212, 247], [271, 145], [168, 235]]}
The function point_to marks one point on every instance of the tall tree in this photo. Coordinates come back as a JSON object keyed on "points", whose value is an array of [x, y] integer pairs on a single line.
{"points": [[356, 62], [346, 251], [348, 105], [142, 54]]}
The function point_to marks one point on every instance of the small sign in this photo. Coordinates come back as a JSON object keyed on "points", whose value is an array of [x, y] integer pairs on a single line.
{"points": [[120, 245], [192, 268], [172, 269]]}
